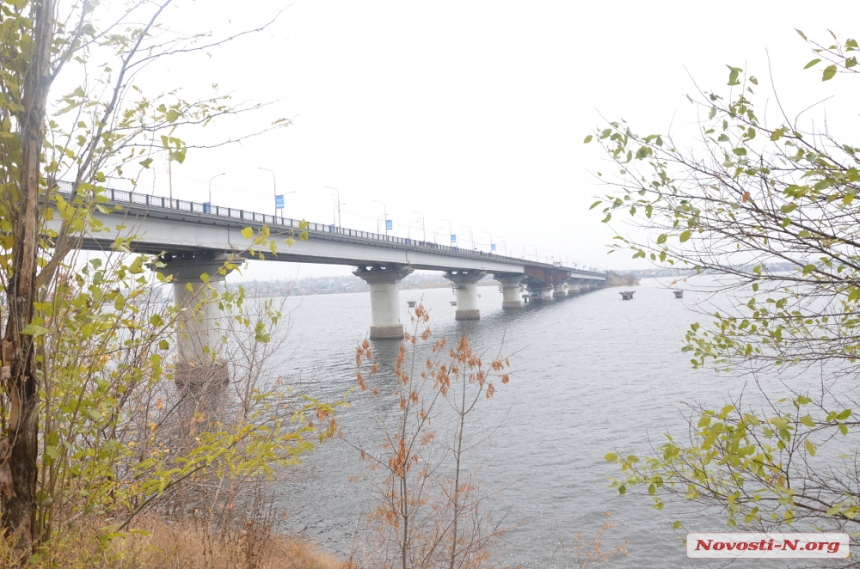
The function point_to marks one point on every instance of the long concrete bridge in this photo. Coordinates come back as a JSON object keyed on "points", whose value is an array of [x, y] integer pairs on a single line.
{"points": [[194, 238]]}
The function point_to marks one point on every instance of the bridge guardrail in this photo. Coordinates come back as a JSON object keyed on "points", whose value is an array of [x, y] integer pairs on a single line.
{"points": [[123, 196]]}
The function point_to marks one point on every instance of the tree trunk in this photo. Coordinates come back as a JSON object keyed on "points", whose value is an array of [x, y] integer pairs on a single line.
{"points": [[19, 443]]}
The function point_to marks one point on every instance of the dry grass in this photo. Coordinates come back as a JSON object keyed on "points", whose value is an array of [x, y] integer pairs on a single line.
{"points": [[159, 544], [184, 546]]}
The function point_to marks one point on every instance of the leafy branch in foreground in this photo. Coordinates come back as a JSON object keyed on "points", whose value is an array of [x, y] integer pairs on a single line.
{"points": [[104, 126], [756, 190]]}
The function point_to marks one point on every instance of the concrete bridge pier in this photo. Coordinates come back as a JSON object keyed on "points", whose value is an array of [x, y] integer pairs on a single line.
{"points": [[559, 290], [467, 293], [541, 293], [572, 289], [511, 297], [198, 366], [384, 281]]}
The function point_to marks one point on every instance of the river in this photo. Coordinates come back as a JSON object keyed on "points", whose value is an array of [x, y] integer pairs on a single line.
{"points": [[592, 374]]}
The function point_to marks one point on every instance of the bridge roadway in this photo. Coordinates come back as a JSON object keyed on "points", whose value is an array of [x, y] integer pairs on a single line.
{"points": [[194, 238]]}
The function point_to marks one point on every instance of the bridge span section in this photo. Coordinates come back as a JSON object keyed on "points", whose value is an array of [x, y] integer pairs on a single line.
{"points": [[188, 234]]}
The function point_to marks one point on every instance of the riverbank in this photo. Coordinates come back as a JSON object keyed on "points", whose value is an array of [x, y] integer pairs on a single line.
{"points": [[157, 543]]}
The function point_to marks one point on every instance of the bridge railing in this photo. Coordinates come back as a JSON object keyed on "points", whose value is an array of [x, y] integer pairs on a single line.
{"points": [[146, 200]]}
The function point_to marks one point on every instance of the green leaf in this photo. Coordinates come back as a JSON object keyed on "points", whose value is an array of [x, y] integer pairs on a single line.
{"points": [[733, 75], [595, 204], [247, 233], [52, 451], [807, 421], [811, 63], [34, 330], [587, 139], [777, 134], [829, 73], [801, 34], [611, 457], [685, 236]]}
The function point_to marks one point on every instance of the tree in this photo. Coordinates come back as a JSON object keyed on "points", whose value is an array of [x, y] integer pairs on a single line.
{"points": [[103, 125], [430, 511], [766, 204]]}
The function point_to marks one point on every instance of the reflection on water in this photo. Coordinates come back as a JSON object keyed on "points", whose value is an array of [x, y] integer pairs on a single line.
{"points": [[591, 374]]}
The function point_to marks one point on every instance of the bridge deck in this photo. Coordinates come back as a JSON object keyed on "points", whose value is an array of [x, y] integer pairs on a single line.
{"points": [[162, 224]]}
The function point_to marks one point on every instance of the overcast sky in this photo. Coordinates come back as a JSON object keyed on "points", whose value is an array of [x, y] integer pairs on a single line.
{"points": [[472, 112]]}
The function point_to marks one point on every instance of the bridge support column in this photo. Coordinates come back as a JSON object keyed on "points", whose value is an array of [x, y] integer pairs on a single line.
{"points": [[558, 290], [541, 293], [572, 289], [198, 366], [384, 284], [511, 297], [467, 293]]}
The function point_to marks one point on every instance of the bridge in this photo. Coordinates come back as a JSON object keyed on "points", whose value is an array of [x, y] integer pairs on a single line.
{"points": [[193, 238]]}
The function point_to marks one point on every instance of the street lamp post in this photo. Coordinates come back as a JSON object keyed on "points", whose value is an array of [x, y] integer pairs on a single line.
{"points": [[506, 245], [210, 188], [336, 211], [385, 215], [274, 187], [450, 231], [491, 239], [423, 227], [339, 220], [471, 236]]}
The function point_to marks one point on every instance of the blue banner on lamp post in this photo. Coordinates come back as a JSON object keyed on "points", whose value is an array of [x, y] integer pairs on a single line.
{"points": [[207, 207], [453, 239], [279, 202], [492, 246], [389, 225]]}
